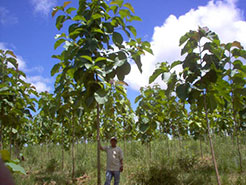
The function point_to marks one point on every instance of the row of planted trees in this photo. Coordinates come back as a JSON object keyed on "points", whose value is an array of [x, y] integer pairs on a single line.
{"points": [[90, 99], [207, 96]]}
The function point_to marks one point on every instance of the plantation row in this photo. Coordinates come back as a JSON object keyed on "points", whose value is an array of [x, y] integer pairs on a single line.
{"points": [[90, 101], [181, 165]]}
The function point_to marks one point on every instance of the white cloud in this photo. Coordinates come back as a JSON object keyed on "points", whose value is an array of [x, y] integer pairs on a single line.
{"points": [[39, 82], [6, 17], [43, 6], [222, 17]]}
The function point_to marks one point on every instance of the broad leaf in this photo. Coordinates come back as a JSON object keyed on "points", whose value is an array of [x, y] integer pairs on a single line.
{"points": [[117, 38], [59, 42], [129, 6], [101, 96], [15, 168], [59, 21], [55, 69]]}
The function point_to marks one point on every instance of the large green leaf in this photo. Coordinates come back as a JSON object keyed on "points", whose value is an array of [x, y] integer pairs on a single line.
{"points": [[137, 59], [129, 6], [15, 168], [183, 91], [117, 2], [55, 69], [143, 127], [123, 70], [117, 38], [101, 96], [59, 21], [133, 30], [59, 42], [162, 69], [124, 13], [135, 18]]}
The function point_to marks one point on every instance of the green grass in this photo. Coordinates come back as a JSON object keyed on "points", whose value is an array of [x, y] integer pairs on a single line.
{"points": [[184, 165]]}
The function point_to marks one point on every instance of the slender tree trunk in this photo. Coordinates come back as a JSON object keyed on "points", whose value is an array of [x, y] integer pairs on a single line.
{"points": [[77, 145], [10, 143], [237, 141], [85, 145], [168, 147], [238, 144], [147, 151], [211, 142], [180, 146], [150, 152], [98, 147], [1, 136], [73, 153], [62, 147], [125, 144], [47, 149], [200, 140], [239, 153]]}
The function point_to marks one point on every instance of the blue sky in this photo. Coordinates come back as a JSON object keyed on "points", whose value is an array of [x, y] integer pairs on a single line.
{"points": [[27, 28]]}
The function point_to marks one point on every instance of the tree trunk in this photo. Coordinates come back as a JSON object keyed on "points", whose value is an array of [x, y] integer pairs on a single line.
{"points": [[85, 144], [180, 146], [200, 140], [47, 150], [98, 148], [239, 153], [10, 143], [125, 144], [73, 153], [150, 152], [237, 140], [1, 136], [62, 147], [211, 142], [168, 147], [77, 146]]}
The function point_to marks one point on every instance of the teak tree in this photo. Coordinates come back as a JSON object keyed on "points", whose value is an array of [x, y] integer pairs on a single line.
{"points": [[202, 68], [95, 51]]}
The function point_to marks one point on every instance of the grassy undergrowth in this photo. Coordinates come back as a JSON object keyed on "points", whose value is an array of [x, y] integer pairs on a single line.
{"points": [[183, 166]]}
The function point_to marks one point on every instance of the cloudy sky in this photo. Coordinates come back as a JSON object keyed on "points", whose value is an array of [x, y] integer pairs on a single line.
{"points": [[27, 28]]}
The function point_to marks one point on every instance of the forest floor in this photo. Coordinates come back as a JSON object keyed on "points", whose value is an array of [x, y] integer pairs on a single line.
{"points": [[183, 164]]}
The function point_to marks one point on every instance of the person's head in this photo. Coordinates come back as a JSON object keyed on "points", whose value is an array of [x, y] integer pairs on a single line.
{"points": [[113, 141]]}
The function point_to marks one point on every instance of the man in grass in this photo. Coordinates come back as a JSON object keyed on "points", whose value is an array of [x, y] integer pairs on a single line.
{"points": [[114, 161]]}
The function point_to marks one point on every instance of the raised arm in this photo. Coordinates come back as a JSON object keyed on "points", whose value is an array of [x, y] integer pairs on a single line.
{"points": [[100, 146]]}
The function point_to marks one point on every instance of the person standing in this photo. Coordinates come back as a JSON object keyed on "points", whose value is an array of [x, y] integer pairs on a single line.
{"points": [[114, 161]]}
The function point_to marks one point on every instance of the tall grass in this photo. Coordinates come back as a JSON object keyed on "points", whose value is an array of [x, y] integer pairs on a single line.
{"points": [[183, 166]]}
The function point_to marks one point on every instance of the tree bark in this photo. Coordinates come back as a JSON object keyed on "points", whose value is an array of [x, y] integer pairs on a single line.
{"points": [[239, 154], [73, 153], [237, 139], [180, 146], [150, 151], [168, 147], [85, 144], [98, 147], [125, 144], [211, 142], [1, 136], [62, 147], [200, 140], [10, 143]]}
